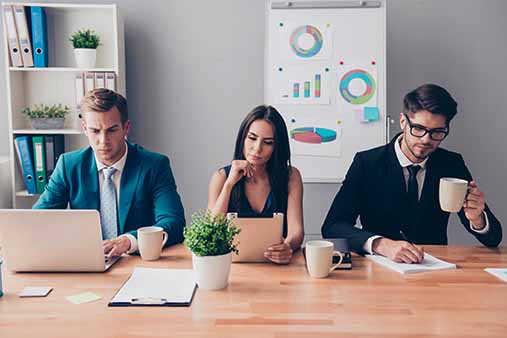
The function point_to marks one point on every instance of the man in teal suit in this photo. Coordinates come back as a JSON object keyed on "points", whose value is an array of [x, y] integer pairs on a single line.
{"points": [[130, 186]]}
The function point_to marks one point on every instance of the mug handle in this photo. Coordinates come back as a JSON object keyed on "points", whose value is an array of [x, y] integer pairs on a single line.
{"points": [[166, 236], [336, 253]]}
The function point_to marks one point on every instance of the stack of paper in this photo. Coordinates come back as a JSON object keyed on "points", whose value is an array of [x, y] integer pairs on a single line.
{"points": [[429, 263]]}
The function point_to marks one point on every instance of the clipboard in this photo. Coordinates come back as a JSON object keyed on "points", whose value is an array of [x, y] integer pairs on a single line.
{"points": [[156, 287]]}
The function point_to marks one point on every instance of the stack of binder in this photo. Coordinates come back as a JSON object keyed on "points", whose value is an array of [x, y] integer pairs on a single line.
{"points": [[38, 155], [27, 35], [92, 80]]}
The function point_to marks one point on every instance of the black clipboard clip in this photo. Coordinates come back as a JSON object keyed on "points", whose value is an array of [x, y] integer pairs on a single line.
{"points": [[148, 301]]}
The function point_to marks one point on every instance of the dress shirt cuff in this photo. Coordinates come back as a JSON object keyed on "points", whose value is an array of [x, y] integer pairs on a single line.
{"points": [[133, 243], [369, 244], [486, 227]]}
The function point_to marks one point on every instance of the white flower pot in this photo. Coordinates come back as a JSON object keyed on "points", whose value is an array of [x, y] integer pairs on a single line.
{"points": [[212, 272], [85, 57]]}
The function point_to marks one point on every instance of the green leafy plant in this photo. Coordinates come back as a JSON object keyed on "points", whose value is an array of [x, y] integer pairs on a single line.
{"points": [[85, 38], [44, 111], [210, 235]]}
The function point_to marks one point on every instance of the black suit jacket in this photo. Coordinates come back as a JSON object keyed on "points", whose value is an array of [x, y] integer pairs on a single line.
{"points": [[374, 189]]}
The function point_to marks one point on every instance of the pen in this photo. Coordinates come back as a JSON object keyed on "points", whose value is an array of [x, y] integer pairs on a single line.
{"points": [[404, 237]]}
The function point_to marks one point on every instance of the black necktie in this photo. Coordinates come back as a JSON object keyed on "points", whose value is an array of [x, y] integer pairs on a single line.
{"points": [[411, 211], [412, 192]]}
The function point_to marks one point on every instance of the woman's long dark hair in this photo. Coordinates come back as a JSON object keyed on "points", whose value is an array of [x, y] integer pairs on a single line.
{"points": [[278, 166]]}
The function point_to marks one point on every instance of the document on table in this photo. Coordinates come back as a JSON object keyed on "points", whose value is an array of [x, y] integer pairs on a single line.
{"points": [[158, 287], [429, 263], [497, 272]]}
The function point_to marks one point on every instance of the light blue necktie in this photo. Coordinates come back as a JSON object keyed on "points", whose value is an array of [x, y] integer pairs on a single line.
{"points": [[108, 213]]}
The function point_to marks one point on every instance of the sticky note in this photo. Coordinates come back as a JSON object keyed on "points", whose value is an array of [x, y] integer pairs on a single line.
{"points": [[371, 114], [85, 297], [35, 291]]}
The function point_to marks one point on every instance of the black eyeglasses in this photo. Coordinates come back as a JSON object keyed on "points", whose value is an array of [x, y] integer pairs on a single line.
{"points": [[436, 134]]}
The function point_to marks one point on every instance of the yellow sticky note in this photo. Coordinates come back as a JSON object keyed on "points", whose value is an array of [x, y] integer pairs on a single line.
{"points": [[85, 297]]}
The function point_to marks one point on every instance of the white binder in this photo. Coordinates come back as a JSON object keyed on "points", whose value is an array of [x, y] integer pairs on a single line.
{"points": [[12, 37], [111, 81], [100, 80], [79, 90], [89, 81], [23, 35]]}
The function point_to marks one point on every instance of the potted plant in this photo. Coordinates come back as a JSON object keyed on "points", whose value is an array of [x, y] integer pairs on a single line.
{"points": [[85, 42], [211, 240], [47, 117]]}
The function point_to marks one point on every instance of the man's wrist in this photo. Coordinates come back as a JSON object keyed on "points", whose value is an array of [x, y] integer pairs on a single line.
{"points": [[479, 223]]}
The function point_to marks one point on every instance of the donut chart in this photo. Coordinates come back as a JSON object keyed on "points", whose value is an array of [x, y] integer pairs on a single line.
{"points": [[313, 135], [361, 75], [313, 33]]}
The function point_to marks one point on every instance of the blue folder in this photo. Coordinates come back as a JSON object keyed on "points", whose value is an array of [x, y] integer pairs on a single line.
{"points": [[24, 148], [39, 37]]}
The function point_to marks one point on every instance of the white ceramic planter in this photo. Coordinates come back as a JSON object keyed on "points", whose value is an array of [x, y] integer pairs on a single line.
{"points": [[212, 272], [85, 57]]}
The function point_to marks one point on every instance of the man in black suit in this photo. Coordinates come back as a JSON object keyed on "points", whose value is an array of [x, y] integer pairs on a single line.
{"points": [[394, 188]]}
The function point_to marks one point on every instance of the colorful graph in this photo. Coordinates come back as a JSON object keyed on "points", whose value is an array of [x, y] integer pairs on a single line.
{"points": [[307, 88], [361, 75], [300, 44], [313, 135]]}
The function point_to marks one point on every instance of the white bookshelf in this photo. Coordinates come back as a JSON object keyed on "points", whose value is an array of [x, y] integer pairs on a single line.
{"points": [[56, 83]]}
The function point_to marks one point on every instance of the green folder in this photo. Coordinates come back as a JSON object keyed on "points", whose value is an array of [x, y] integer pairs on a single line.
{"points": [[39, 161]]}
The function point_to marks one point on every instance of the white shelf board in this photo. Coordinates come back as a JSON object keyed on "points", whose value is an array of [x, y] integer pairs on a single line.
{"points": [[60, 69], [48, 131], [63, 5]]}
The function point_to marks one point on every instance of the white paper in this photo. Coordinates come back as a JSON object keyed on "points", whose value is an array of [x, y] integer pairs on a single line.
{"points": [[299, 84], [172, 285], [304, 40], [301, 129], [429, 263], [498, 272], [357, 86]]}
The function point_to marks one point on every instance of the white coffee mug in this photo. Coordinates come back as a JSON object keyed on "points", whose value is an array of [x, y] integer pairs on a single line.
{"points": [[151, 240], [319, 258], [452, 193]]}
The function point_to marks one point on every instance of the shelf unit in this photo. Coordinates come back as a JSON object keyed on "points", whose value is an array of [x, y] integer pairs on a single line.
{"points": [[56, 83]]}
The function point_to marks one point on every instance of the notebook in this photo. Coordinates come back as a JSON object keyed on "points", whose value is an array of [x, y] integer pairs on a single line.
{"points": [[429, 263], [498, 272], [156, 287]]}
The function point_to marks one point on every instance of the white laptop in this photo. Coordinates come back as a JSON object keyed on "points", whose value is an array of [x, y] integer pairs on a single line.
{"points": [[257, 234], [52, 240]]}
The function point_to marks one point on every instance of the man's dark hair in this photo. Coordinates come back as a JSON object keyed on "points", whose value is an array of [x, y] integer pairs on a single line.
{"points": [[432, 98]]}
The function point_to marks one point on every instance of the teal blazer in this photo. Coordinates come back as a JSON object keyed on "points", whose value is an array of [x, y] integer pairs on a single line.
{"points": [[148, 193]]}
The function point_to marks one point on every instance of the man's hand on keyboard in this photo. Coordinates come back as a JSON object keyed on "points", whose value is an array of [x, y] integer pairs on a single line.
{"points": [[116, 246]]}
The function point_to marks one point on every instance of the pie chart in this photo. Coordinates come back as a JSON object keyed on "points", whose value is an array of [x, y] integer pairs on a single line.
{"points": [[313, 135]]}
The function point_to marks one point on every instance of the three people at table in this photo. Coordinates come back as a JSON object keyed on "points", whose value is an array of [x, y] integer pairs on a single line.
{"points": [[261, 180], [394, 188], [130, 186]]}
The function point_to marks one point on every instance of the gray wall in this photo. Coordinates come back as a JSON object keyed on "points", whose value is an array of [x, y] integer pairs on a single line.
{"points": [[194, 68]]}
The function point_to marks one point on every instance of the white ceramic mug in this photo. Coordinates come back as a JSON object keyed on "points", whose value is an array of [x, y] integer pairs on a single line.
{"points": [[151, 240], [452, 193], [319, 258]]}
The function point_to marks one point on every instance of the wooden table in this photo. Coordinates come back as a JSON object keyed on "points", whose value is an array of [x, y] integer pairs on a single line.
{"points": [[265, 300]]}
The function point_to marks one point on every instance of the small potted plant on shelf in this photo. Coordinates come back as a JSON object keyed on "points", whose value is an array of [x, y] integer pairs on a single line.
{"points": [[211, 240], [47, 117], [85, 42]]}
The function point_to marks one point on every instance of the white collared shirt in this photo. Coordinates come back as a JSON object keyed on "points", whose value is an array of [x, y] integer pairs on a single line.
{"points": [[119, 166], [421, 174]]}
